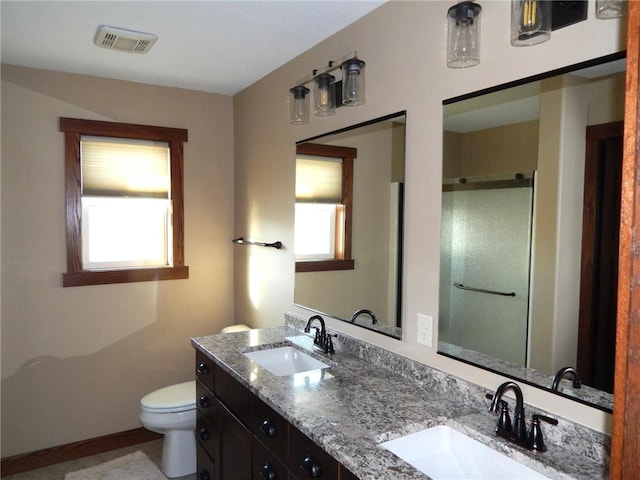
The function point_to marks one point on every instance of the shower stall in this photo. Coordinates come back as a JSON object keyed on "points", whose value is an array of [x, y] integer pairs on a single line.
{"points": [[485, 262]]}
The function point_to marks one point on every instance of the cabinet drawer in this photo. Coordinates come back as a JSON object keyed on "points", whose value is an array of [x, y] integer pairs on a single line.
{"points": [[205, 402], [206, 466], [308, 460], [236, 397], [206, 436], [271, 429], [266, 466], [205, 369]]}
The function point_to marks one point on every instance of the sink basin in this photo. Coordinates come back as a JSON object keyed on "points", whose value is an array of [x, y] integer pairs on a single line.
{"points": [[283, 361], [444, 453]]}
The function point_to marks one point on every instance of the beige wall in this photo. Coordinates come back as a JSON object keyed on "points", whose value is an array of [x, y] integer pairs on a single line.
{"points": [[404, 45], [492, 151], [76, 361]]}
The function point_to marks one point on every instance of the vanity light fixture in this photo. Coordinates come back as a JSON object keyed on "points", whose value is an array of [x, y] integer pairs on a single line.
{"points": [[530, 22], [353, 82], [324, 95], [299, 105], [327, 93], [463, 42]]}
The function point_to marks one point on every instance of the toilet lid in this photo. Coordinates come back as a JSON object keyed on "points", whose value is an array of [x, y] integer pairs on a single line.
{"points": [[174, 398]]}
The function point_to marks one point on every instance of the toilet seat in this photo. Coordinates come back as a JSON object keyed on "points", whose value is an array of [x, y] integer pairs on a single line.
{"points": [[174, 398]]}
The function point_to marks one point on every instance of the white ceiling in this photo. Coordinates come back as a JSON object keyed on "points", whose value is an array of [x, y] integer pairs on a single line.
{"points": [[214, 46]]}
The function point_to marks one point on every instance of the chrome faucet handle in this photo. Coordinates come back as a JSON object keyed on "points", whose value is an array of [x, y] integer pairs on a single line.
{"points": [[534, 436]]}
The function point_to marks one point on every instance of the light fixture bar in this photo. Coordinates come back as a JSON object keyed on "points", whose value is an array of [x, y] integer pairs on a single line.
{"points": [[327, 93], [333, 65]]}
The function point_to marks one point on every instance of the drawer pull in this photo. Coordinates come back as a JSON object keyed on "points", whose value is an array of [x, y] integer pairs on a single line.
{"points": [[204, 435], [310, 466], [203, 401], [268, 428], [202, 368], [267, 473], [204, 475]]}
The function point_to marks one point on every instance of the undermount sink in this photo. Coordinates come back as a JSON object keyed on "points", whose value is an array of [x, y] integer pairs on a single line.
{"points": [[444, 453], [284, 361]]}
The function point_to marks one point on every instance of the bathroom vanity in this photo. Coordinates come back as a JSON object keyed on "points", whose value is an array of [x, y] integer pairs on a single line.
{"points": [[329, 422], [240, 436]]}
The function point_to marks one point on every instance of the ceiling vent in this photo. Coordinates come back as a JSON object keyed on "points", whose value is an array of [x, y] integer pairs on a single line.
{"points": [[123, 40]]}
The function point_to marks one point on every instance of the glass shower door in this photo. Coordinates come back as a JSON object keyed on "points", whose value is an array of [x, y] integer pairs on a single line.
{"points": [[485, 266]]}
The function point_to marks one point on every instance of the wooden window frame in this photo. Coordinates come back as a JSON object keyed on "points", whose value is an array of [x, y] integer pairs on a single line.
{"points": [[343, 260], [73, 130]]}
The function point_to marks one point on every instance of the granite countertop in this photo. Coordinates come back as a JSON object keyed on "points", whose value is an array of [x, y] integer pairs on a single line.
{"points": [[351, 407]]}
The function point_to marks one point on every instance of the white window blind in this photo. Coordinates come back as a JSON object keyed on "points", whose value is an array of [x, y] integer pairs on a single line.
{"points": [[122, 167], [318, 179], [126, 203]]}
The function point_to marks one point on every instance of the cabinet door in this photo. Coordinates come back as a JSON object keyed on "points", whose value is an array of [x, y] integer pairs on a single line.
{"points": [[308, 460], [271, 429], [206, 436], [266, 465], [239, 400], [206, 466], [206, 402], [235, 447], [205, 370]]}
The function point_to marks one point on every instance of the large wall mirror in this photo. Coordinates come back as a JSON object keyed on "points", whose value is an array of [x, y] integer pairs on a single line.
{"points": [[349, 224], [529, 234]]}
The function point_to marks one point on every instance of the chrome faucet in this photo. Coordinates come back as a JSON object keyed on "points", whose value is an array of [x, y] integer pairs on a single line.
{"points": [[322, 340], [364, 311], [517, 432], [563, 372]]}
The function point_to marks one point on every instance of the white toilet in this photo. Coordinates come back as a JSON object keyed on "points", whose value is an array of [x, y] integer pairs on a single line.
{"points": [[171, 411]]}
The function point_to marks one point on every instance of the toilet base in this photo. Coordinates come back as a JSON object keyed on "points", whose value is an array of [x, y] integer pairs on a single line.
{"points": [[179, 453]]}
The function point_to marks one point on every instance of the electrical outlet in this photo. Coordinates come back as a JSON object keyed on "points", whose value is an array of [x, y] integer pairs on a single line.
{"points": [[425, 330]]}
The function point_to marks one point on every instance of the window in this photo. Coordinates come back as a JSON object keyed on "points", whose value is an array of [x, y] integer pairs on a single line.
{"points": [[125, 219], [324, 193]]}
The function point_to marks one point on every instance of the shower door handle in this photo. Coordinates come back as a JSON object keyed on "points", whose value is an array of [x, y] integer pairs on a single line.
{"points": [[481, 290]]}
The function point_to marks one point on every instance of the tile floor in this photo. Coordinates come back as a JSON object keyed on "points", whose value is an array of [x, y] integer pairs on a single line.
{"points": [[57, 472]]}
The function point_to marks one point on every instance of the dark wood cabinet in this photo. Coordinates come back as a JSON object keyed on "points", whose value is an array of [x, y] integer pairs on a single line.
{"points": [[271, 429], [240, 437], [308, 460], [346, 474], [267, 465], [206, 467], [235, 448]]}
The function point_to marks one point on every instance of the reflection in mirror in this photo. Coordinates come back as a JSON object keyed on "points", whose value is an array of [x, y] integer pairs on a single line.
{"points": [[530, 212], [348, 224]]}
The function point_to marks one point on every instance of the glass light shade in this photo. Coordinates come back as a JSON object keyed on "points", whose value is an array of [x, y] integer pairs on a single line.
{"points": [[324, 95], [353, 89], [530, 22], [609, 8], [299, 105], [463, 42]]}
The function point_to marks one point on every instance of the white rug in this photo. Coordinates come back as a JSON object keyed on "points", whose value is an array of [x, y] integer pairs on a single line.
{"points": [[135, 466]]}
